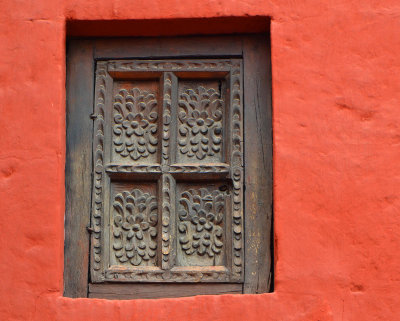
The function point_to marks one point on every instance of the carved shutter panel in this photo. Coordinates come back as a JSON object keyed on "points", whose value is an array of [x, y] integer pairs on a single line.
{"points": [[167, 202]]}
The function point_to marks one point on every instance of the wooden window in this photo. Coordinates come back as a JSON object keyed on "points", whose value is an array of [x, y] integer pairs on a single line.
{"points": [[169, 167]]}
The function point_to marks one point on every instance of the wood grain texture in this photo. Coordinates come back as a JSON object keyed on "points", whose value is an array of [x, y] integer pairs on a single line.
{"points": [[165, 47], [129, 103], [188, 150], [155, 291], [258, 160], [78, 167]]}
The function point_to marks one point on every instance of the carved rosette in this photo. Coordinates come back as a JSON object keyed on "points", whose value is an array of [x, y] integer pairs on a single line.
{"points": [[135, 123], [200, 123], [134, 222], [201, 215]]}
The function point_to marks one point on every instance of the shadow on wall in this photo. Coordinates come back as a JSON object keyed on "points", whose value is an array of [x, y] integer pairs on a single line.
{"points": [[167, 27]]}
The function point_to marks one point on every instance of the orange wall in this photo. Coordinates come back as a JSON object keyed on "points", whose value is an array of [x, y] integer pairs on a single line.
{"points": [[336, 92]]}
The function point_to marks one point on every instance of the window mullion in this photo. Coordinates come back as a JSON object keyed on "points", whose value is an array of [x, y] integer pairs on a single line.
{"points": [[167, 221], [168, 85], [167, 185]]}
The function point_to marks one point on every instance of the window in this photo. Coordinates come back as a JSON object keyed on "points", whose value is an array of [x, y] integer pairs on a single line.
{"points": [[169, 167]]}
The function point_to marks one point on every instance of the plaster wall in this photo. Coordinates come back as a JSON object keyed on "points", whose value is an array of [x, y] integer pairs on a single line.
{"points": [[336, 120]]}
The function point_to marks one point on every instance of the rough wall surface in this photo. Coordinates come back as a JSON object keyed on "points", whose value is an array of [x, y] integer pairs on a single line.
{"points": [[336, 91]]}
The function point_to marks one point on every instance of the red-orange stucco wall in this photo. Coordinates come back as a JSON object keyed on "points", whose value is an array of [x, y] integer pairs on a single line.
{"points": [[336, 119]]}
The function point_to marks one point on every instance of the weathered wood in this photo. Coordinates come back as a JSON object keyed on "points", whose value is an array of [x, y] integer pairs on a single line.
{"points": [[258, 160], [204, 118], [162, 47], [155, 291], [195, 229], [78, 167], [174, 141]]}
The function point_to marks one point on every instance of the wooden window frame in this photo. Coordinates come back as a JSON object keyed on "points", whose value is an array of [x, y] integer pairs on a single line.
{"points": [[82, 54]]}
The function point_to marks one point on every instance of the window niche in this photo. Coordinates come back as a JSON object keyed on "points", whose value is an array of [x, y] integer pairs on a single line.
{"points": [[169, 167]]}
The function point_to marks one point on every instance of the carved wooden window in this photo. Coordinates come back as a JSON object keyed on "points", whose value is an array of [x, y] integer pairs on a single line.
{"points": [[168, 143]]}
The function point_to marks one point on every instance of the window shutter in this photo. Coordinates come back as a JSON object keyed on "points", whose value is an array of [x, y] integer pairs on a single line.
{"points": [[167, 200]]}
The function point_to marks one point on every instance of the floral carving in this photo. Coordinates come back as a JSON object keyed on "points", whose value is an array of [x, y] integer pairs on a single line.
{"points": [[200, 117], [135, 227], [165, 238], [201, 215], [135, 126]]}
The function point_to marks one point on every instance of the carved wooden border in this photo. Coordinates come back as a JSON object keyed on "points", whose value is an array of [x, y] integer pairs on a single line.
{"points": [[173, 275], [172, 65], [236, 125], [167, 117], [185, 168], [114, 168], [167, 170], [98, 171]]}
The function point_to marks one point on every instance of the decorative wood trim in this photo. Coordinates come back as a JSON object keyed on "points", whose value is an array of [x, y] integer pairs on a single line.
{"points": [[167, 211], [167, 216], [174, 168], [176, 274], [115, 168], [172, 65], [98, 172], [203, 169], [237, 168], [168, 78]]}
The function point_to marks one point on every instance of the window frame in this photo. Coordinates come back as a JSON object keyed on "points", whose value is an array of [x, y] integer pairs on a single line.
{"points": [[82, 54]]}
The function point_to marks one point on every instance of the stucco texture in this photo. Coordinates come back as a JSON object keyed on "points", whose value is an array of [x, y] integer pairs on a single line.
{"points": [[336, 126]]}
